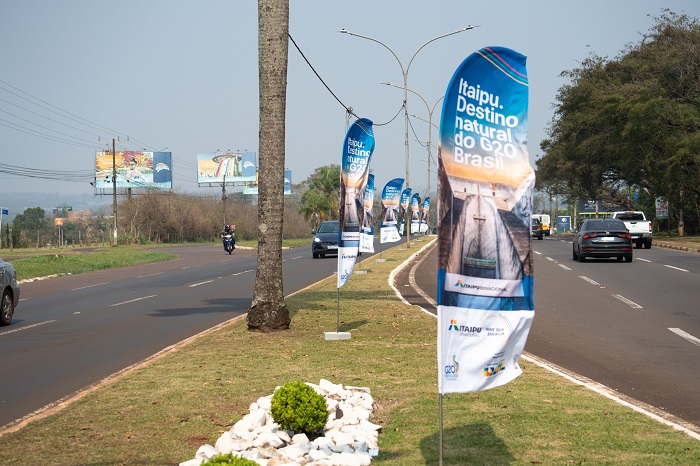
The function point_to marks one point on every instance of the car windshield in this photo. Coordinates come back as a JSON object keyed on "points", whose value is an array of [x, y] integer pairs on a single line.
{"points": [[328, 227]]}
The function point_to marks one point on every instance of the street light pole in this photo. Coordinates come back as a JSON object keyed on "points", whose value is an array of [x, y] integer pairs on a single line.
{"points": [[404, 72], [430, 127]]}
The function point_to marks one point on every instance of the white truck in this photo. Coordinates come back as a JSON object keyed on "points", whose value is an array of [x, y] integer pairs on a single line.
{"points": [[638, 225]]}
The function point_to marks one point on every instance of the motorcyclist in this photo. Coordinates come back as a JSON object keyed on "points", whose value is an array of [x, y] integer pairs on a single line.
{"points": [[228, 231]]}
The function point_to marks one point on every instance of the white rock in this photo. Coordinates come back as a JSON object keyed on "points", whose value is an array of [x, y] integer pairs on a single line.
{"points": [[192, 462], [257, 418], [300, 439], [344, 448], [206, 452], [284, 436], [268, 438], [348, 459], [360, 447], [315, 455], [370, 426], [293, 452], [341, 438], [323, 441], [225, 443]]}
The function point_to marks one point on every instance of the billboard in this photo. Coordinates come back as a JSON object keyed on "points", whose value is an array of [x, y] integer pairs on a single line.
{"points": [[251, 188], [228, 167], [133, 169]]}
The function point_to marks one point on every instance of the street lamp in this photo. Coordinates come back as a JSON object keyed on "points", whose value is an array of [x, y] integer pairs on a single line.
{"points": [[430, 125], [404, 72]]}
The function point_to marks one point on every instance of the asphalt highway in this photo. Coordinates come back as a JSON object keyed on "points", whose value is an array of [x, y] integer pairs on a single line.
{"points": [[71, 332], [633, 327]]}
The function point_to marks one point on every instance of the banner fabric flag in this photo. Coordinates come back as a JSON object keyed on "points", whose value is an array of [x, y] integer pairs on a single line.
{"points": [[388, 232], [357, 153], [485, 189], [367, 236], [405, 199], [424, 215], [415, 213]]}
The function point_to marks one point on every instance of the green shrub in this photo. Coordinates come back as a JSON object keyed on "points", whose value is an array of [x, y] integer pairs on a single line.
{"points": [[231, 459], [297, 407]]}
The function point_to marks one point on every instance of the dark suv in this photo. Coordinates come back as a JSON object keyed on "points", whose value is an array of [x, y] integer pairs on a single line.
{"points": [[537, 231]]}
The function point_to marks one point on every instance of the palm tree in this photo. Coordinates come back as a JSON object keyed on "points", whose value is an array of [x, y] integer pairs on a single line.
{"points": [[268, 311], [315, 207]]}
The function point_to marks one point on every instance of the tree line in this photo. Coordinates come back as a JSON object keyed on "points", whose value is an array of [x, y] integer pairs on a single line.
{"points": [[627, 130], [151, 217]]}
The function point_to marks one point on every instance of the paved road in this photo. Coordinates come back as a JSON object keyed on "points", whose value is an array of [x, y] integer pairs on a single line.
{"points": [[633, 327], [70, 332]]}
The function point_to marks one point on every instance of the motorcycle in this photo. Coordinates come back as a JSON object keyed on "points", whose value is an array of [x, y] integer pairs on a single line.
{"points": [[229, 243]]}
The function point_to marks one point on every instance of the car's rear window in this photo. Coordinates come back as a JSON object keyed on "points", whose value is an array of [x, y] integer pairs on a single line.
{"points": [[630, 217], [610, 224], [328, 228]]}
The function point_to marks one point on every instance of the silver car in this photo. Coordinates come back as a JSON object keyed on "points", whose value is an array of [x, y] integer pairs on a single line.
{"points": [[10, 292]]}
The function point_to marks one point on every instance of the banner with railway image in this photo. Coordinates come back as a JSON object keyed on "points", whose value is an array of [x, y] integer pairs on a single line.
{"points": [[485, 188]]}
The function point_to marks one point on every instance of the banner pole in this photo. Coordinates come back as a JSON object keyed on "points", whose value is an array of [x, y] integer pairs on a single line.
{"points": [[440, 462], [337, 313]]}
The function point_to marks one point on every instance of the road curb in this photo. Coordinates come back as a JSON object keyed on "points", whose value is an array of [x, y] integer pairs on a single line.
{"points": [[677, 247]]}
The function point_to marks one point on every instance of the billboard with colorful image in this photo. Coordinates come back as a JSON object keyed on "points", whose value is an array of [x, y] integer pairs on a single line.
{"points": [[134, 169], [227, 167]]}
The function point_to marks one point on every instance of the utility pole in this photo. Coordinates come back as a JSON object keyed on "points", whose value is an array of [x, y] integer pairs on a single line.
{"points": [[114, 190]]}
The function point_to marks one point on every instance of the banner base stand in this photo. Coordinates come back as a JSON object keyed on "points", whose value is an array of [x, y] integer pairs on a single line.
{"points": [[337, 335]]}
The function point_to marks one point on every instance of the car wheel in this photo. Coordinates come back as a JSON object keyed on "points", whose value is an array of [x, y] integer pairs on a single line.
{"points": [[638, 245], [315, 255], [619, 258], [647, 244], [628, 258], [575, 256], [6, 308], [580, 257], [323, 255]]}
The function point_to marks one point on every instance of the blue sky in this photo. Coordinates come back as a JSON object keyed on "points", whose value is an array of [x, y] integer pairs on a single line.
{"points": [[182, 76]]}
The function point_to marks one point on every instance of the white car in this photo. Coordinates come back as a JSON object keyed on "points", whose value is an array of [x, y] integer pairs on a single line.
{"points": [[10, 292]]}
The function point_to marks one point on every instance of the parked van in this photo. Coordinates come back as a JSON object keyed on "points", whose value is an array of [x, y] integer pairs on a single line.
{"points": [[546, 222]]}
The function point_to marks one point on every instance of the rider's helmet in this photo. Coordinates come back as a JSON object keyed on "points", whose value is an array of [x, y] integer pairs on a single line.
{"points": [[227, 227]]}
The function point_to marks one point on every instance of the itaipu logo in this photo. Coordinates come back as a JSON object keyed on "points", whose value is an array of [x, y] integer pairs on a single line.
{"points": [[160, 166], [464, 330], [491, 370], [348, 256], [248, 164], [452, 370]]}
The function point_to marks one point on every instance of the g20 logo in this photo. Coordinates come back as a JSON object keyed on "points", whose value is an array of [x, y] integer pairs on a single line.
{"points": [[452, 370]]}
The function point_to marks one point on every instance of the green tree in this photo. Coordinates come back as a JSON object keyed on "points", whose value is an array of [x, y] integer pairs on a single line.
{"points": [[319, 201], [629, 128], [268, 311]]}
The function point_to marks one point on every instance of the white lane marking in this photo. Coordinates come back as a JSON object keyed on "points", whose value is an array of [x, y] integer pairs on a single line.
{"points": [[627, 301], [241, 273], [89, 286], [133, 300], [537, 252], [680, 333], [26, 327], [643, 260], [589, 280], [677, 268], [200, 283], [297, 257], [149, 274], [563, 267], [550, 259]]}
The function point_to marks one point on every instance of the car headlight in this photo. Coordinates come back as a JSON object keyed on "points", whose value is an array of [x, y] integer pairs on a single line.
{"points": [[316, 240]]}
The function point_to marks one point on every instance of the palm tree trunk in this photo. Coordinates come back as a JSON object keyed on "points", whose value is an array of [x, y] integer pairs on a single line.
{"points": [[268, 311]]}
